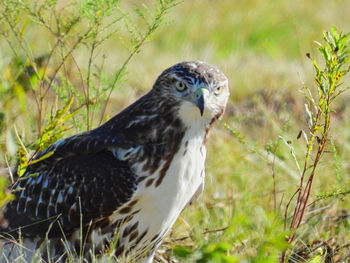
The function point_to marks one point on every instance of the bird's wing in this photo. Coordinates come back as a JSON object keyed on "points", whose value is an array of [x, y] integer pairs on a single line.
{"points": [[89, 142], [81, 177]]}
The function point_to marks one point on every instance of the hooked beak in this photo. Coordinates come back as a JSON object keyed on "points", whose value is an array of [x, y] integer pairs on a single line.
{"points": [[199, 99]]}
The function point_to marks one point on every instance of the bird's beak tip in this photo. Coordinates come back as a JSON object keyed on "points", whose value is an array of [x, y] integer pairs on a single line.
{"points": [[200, 104]]}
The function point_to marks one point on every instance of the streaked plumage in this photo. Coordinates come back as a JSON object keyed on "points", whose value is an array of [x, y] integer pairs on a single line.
{"points": [[130, 177]]}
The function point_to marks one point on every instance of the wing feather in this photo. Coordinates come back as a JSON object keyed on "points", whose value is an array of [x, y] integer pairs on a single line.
{"points": [[82, 177]]}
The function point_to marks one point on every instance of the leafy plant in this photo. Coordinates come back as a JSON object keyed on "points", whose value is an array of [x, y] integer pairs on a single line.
{"points": [[51, 133], [336, 55], [329, 86]]}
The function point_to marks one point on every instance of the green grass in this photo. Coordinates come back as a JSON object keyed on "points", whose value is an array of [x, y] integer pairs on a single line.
{"points": [[261, 47]]}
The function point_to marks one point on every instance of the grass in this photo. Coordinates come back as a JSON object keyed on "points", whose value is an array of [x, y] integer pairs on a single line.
{"points": [[251, 174]]}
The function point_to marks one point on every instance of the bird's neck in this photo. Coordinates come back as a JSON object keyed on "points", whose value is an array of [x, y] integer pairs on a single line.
{"points": [[198, 125]]}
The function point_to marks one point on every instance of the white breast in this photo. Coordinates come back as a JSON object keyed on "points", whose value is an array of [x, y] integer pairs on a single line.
{"points": [[184, 176], [161, 205]]}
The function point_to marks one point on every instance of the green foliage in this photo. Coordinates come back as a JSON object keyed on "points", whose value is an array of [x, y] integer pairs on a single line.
{"points": [[336, 55], [55, 128], [251, 174], [252, 235], [318, 137], [218, 252], [317, 258], [51, 133], [5, 194], [213, 252]]}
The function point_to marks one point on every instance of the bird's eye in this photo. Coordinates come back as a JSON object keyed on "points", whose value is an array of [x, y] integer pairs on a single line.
{"points": [[180, 86], [218, 90]]}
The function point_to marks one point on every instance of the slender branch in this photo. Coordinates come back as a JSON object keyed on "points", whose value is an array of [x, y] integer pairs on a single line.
{"points": [[203, 233], [87, 97], [326, 81], [151, 29], [65, 57]]}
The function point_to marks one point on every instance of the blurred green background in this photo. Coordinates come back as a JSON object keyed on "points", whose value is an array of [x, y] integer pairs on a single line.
{"points": [[261, 46]]}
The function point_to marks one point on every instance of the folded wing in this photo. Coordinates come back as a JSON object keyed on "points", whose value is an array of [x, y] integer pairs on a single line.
{"points": [[80, 183]]}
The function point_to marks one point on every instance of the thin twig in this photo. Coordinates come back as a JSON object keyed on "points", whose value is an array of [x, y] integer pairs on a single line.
{"points": [[135, 50], [203, 233]]}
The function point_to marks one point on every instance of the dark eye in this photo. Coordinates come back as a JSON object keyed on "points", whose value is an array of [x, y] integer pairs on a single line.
{"points": [[180, 86], [218, 90]]}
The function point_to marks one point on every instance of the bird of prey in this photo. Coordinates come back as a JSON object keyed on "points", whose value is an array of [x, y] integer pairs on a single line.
{"points": [[123, 184]]}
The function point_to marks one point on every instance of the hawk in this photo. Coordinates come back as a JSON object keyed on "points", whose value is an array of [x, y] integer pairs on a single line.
{"points": [[124, 183]]}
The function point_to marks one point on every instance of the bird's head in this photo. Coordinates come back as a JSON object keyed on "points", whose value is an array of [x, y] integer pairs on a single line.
{"points": [[199, 90]]}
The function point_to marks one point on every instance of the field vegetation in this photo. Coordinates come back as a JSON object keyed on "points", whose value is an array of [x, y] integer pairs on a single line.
{"points": [[277, 186]]}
